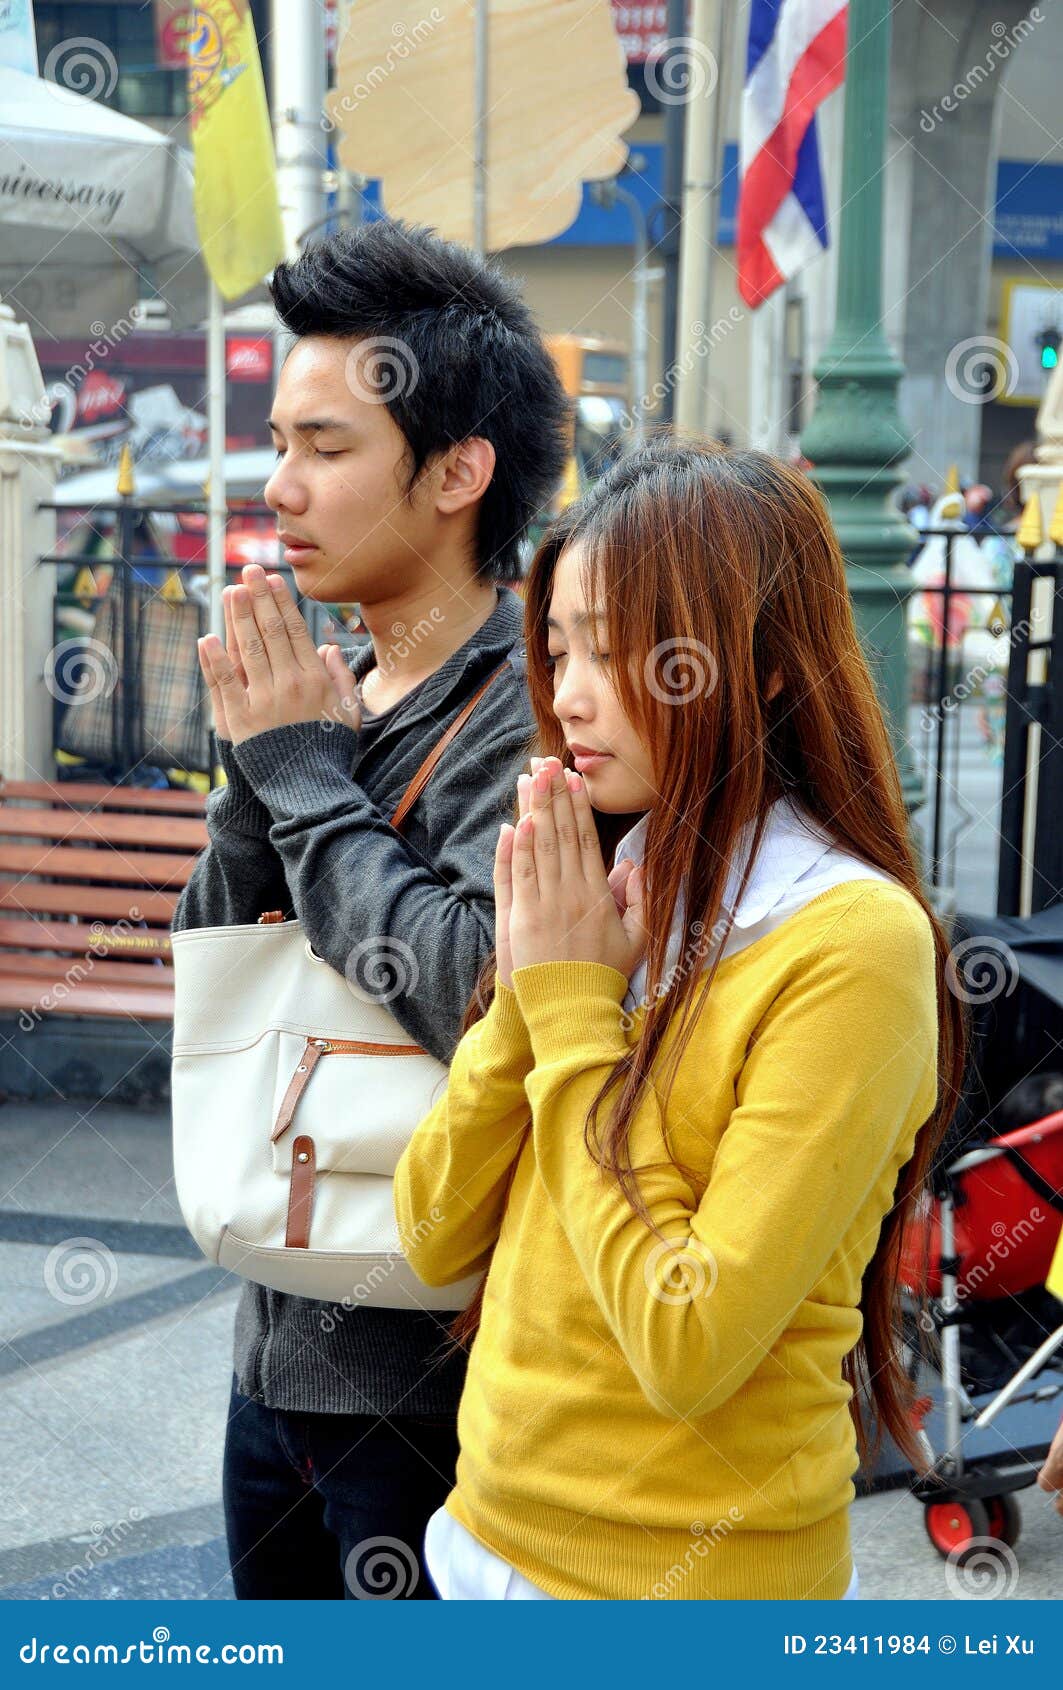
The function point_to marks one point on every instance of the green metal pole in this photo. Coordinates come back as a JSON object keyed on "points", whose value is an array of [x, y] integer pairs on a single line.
{"points": [[855, 439]]}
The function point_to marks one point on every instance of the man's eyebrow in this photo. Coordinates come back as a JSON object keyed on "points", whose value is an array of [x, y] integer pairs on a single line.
{"points": [[309, 425], [577, 621]]}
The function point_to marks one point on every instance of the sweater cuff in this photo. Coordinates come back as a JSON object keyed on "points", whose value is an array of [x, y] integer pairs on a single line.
{"points": [[571, 1005], [236, 806], [504, 1041], [294, 768]]}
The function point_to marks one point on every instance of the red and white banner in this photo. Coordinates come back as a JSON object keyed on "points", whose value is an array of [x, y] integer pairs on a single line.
{"points": [[640, 28]]}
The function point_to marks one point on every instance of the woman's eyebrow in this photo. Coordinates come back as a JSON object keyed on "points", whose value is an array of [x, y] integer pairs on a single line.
{"points": [[577, 621]]}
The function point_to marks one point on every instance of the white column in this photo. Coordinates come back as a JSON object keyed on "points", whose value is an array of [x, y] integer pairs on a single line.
{"points": [[28, 463], [297, 58]]}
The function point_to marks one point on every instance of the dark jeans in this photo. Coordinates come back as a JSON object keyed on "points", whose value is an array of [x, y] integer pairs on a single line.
{"points": [[322, 1506]]}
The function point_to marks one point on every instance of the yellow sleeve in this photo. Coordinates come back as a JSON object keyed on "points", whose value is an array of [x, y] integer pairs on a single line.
{"points": [[840, 1075], [452, 1179]]}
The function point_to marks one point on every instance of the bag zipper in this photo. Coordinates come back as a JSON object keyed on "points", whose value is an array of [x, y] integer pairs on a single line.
{"points": [[361, 1047], [311, 1054]]}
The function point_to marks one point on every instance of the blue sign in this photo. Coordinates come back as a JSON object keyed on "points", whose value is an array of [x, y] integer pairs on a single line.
{"points": [[1028, 222]]}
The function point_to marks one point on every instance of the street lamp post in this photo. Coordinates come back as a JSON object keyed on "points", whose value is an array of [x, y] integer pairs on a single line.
{"points": [[855, 439]]}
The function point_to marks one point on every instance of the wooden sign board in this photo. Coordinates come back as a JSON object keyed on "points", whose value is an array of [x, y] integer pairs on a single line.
{"points": [[557, 101]]}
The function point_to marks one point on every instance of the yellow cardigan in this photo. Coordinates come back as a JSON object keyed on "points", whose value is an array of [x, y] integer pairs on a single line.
{"points": [[665, 1416]]}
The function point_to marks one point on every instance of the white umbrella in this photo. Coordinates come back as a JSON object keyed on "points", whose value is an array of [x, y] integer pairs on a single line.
{"points": [[73, 173]]}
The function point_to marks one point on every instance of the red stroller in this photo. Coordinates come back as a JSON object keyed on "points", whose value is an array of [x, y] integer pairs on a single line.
{"points": [[982, 1250]]}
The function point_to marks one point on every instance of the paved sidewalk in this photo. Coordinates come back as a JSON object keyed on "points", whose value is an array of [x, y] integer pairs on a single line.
{"points": [[114, 1378]]}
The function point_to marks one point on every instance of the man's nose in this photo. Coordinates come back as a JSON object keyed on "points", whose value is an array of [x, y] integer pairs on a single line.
{"points": [[284, 490]]}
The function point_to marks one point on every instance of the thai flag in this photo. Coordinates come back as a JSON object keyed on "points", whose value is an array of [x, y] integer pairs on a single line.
{"points": [[796, 57]]}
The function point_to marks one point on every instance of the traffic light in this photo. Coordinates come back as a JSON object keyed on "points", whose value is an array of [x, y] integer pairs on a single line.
{"points": [[1047, 343]]}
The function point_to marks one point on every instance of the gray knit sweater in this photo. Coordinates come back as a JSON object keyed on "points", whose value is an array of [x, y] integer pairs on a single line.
{"points": [[303, 826]]}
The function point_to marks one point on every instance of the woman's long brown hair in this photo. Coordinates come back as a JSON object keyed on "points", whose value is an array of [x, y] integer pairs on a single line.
{"points": [[722, 582]]}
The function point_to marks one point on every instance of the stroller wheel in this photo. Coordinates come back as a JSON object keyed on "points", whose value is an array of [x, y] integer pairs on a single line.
{"points": [[1005, 1518], [950, 1526]]}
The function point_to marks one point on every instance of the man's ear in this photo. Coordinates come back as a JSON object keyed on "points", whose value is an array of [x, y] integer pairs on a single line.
{"points": [[467, 471]]}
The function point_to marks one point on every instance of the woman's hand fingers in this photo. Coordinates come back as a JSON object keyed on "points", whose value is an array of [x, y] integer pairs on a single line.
{"points": [[633, 917], [544, 834], [618, 882], [590, 851], [503, 877]]}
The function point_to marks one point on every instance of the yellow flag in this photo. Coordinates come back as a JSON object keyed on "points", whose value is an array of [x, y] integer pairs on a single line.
{"points": [[237, 213], [1055, 1272]]}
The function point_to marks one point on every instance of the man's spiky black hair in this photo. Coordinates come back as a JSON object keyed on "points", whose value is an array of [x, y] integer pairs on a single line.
{"points": [[481, 366]]}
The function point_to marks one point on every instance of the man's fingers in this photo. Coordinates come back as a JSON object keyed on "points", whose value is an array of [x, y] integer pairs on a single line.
{"points": [[349, 709], [306, 653], [217, 703], [249, 641], [231, 645]]}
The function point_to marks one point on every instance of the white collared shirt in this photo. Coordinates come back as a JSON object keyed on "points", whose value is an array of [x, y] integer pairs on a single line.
{"points": [[797, 861]]}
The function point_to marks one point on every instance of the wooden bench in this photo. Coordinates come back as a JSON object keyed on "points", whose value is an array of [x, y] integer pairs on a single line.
{"points": [[89, 879]]}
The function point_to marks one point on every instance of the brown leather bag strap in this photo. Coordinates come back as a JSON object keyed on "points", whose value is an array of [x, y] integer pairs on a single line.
{"points": [[427, 769]]}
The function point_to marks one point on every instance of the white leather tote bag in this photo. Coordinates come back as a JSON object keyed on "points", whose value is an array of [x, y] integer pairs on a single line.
{"points": [[294, 1095]]}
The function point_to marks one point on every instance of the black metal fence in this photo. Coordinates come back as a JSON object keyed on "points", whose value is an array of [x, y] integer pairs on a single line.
{"points": [[1025, 813]]}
